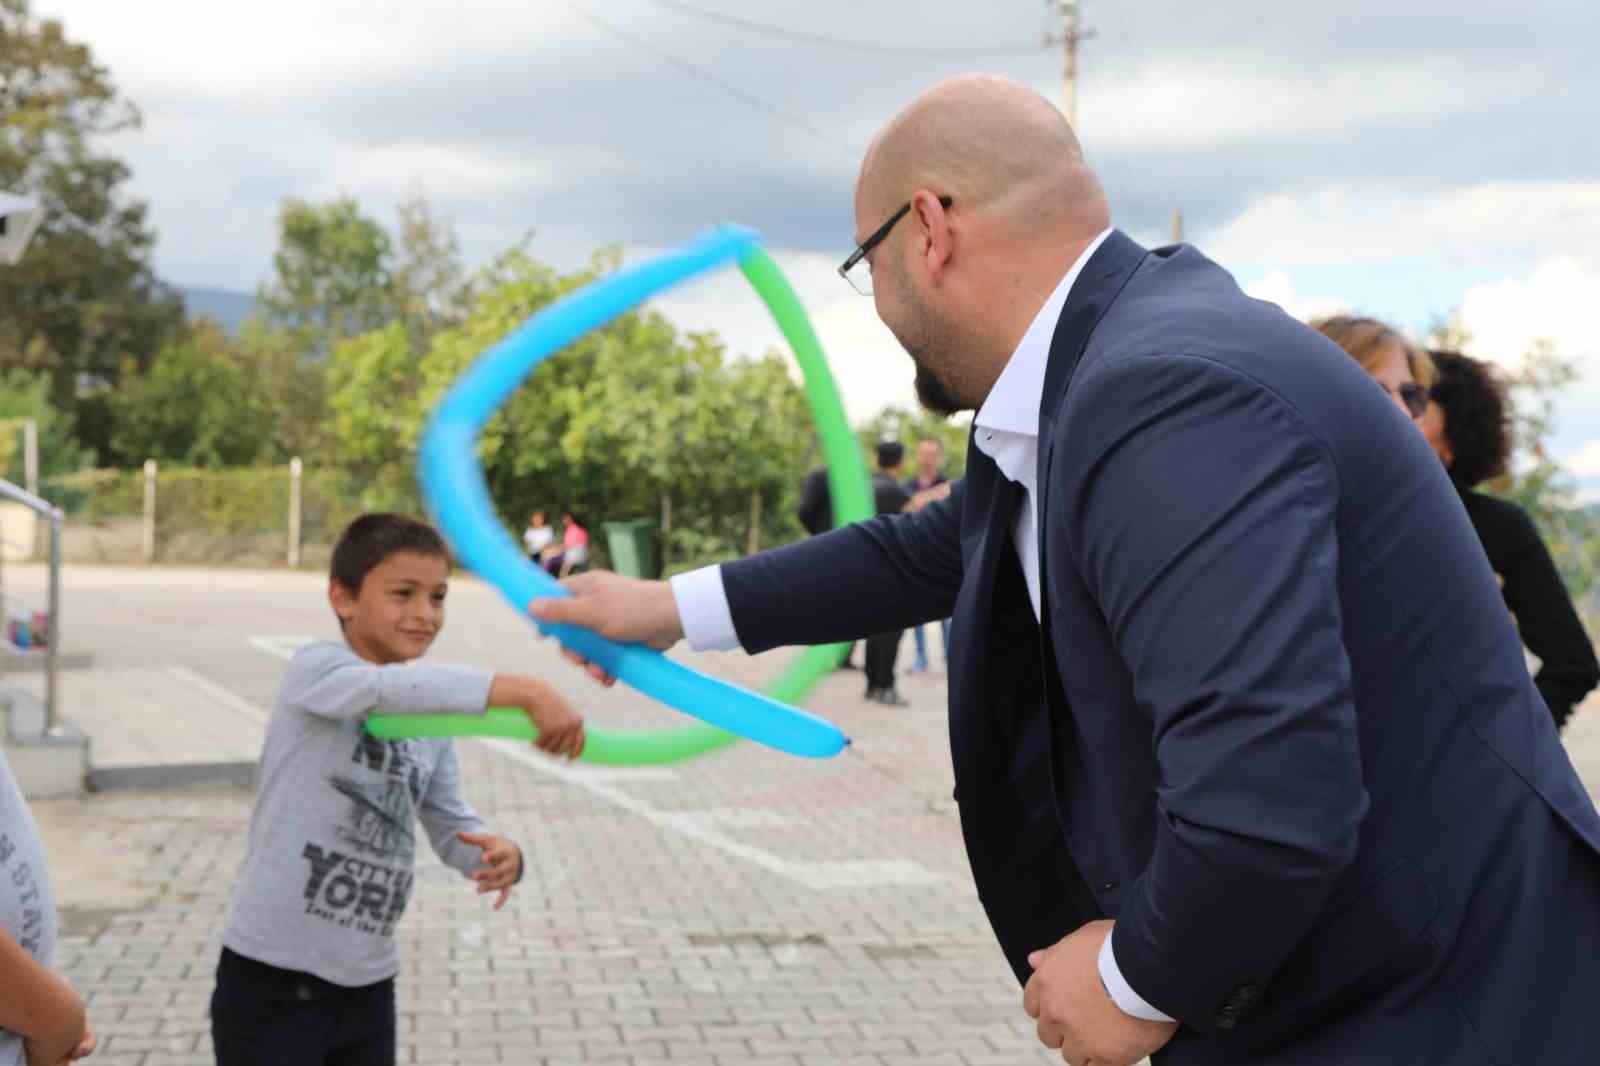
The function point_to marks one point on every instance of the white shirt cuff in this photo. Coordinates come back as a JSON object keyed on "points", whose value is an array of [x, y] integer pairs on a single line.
{"points": [[703, 609], [1122, 994]]}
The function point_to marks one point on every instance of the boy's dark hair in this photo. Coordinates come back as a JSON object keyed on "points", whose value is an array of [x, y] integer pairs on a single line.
{"points": [[891, 453], [1477, 417], [372, 538]]}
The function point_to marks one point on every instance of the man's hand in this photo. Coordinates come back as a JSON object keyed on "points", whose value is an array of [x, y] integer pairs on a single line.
{"points": [[624, 609], [502, 863], [1075, 1013]]}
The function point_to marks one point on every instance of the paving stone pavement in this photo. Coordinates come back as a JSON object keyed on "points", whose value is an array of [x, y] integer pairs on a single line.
{"points": [[747, 908]]}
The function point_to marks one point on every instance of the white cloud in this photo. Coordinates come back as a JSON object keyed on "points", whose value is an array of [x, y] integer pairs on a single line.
{"points": [[1555, 303], [293, 47], [1481, 224], [1585, 462], [1178, 103], [1277, 287], [867, 362]]}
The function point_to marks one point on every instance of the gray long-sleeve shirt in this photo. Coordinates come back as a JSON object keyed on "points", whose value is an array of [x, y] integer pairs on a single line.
{"points": [[330, 859]]}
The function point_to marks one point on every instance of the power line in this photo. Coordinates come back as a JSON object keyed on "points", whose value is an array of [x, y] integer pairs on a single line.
{"points": [[704, 75], [798, 37]]}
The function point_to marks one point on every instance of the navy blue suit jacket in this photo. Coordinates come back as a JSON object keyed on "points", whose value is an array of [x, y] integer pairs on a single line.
{"points": [[1275, 720]]}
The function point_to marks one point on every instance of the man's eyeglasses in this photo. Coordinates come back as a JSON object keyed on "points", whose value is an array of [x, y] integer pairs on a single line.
{"points": [[1415, 397], [857, 269]]}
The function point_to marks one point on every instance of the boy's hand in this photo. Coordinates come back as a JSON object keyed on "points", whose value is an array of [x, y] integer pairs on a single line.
{"points": [[502, 864], [560, 727]]}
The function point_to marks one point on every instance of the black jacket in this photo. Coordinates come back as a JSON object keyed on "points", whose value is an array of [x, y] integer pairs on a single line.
{"points": [[1534, 593]]}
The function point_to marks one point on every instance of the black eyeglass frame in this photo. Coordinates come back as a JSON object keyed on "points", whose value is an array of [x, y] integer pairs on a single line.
{"points": [[1415, 397], [879, 234]]}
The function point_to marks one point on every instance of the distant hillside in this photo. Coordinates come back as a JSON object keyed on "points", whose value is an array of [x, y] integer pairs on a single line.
{"points": [[223, 306]]}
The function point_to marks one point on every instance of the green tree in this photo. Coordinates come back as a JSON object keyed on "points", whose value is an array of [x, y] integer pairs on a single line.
{"points": [[24, 394], [194, 406], [429, 287], [83, 302], [288, 386], [624, 415], [331, 274]]}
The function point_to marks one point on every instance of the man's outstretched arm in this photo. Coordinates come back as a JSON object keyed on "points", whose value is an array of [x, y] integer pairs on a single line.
{"points": [[886, 573]]}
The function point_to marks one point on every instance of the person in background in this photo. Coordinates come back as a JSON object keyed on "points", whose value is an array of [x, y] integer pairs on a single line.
{"points": [[574, 544], [537, 537], [884, 648], [1461, 411], [1468, 425], [929, 485], [571, 551], [1404, 371]]}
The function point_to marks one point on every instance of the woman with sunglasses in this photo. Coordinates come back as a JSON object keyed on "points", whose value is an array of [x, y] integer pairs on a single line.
{"points": [[1462, 411]]}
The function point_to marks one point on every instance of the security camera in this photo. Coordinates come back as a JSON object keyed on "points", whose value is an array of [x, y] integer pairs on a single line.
{"points": [[19, 218]]}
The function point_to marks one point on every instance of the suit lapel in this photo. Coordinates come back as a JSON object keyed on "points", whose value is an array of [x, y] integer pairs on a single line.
{"points": [[1103, 277]]}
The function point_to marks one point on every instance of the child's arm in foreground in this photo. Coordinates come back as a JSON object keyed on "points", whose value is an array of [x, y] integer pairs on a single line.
{"points": [[41, 1008]]}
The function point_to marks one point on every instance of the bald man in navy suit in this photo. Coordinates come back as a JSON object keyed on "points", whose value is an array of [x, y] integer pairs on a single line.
{"points": [[1250, 767]]}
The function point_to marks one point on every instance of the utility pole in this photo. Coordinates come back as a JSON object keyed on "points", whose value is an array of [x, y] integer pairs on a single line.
{"points": [[1071, 35]]}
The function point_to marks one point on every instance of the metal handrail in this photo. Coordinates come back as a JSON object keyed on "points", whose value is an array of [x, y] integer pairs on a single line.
{"points": [[52, 650]]}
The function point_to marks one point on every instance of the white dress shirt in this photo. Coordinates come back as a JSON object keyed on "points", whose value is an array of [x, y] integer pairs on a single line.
{"points": [[1006, 429]]}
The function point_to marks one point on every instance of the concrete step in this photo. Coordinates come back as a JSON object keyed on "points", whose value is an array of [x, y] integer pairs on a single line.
{"points": [[46, 764]]}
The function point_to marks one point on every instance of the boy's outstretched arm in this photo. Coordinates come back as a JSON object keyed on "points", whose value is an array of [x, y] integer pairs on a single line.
{"points": [[331, 681], [41, 1007]]}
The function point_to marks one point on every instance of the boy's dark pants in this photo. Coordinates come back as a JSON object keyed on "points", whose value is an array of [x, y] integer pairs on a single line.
{"points": [[264, 1016]]}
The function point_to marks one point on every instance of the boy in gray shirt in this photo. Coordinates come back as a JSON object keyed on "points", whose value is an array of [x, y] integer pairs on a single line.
{"points": [[308, 961]]}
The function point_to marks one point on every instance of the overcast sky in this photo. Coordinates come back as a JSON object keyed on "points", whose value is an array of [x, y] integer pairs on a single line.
{"points": [[1399, 158]]}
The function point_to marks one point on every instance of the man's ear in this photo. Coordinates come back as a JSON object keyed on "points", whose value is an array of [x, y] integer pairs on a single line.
{"points": [[933, 231]]}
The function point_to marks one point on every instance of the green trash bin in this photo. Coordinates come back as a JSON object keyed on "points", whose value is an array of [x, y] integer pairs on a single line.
{"points": [[632, 545]]}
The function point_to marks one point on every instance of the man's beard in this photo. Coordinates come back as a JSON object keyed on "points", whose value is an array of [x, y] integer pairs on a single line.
{"points": [[933, 390], [934, 394]]}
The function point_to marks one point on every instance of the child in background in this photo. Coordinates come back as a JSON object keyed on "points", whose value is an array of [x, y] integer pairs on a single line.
{"points": [[538, 537], [309, 960], [42, 1021]]}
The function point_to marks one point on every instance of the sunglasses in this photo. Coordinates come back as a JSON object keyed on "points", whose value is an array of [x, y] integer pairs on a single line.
{"points": [[1415, 397]]}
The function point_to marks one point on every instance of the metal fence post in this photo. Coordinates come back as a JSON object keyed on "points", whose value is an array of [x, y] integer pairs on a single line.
{"points": [[666, 528], [295, 471], [755, 523], [149, 510], [52, 649]]}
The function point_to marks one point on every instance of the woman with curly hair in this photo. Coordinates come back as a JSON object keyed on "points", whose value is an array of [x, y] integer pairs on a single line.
{"points": [[1469, 426], [1462, 411]]}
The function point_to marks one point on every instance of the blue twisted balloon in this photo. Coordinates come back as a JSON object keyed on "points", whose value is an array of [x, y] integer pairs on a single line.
{"points": [[453, 484]]}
